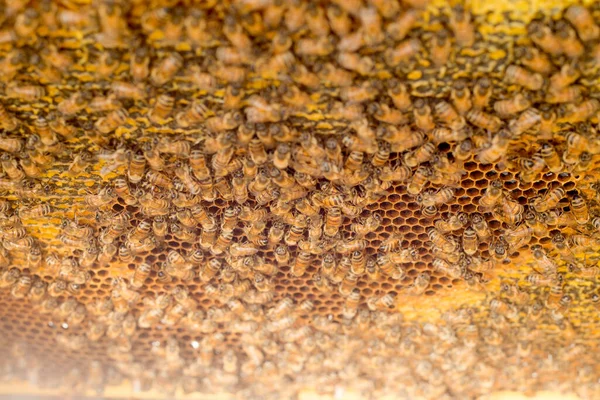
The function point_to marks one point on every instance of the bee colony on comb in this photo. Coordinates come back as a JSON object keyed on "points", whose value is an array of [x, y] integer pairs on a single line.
{"points": [[246, 196]]}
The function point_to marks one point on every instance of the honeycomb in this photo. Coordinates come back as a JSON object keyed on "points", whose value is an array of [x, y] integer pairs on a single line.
{"points": [[257, 197]]}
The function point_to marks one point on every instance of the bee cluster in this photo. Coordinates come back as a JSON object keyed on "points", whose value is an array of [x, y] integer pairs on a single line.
{"points": [[255, 186]]}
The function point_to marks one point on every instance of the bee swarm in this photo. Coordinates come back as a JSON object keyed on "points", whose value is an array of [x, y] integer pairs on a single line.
{"points": [[242, 197]]}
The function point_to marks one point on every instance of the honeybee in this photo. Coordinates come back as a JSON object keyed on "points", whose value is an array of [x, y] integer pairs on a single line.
{"points": [[112, 121], [482, 93], [229, 73], [524, 122], [492, 195], [21, 287], [533, 221], [509, 211], [555, 295], [536, 279], [551, 158], [496, 148], [441, 241], [152, 206], [139, 66], [440, 48], [77, 102], [150, 317], [534, 59], [435, 198], [530, 168], [462, 26], [562, 80], [581, 18], [141, 273], [484, 120], [383, 113], [348, 283], [353, 62], [582, 241], [514, 105], [452, 270], [28, 93], [57, 288], [567, 37], [503, 308], [339, 20], [422, 115], [453, 223], [162, 108], [106, 254], [544, 38], [387, 263], [106, 64], [470, 241], [547, 265], [419, 155], [100, 104], [518, 237], [549, 200], [402, 52], [166, 69], [364, 92], [522, 77], [11, 167], [38, 211], [122, 190], [197, 112], [420, 284], [449, 116], [579, 112], [320, 47], [126, 90], [580, 210], [349, 246], [418, 180], [11, 145]]}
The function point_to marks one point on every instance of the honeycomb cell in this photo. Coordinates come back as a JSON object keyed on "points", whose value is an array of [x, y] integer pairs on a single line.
{"points": [[472, 192]]}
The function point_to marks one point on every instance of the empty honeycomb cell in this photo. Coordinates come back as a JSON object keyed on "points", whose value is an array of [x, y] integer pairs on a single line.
{"points": [[470, 208], [467, 183], [563, 177], [472, 192], [471, 166], [391, 214], [412, 207], [385, 205], [476, 175], [511, 184], [490, 175], [482, 183], [494, 224], [569, 186], [411, 221], [399, 205]]}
